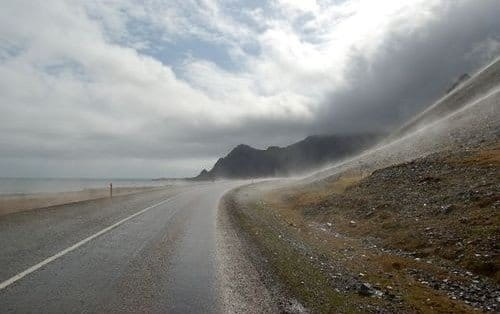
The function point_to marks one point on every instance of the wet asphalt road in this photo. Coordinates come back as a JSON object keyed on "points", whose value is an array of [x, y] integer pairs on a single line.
{"points": [[162, 260]]}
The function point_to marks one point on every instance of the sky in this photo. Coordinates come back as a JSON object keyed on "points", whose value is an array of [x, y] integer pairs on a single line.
{"points": [[126, 88]]}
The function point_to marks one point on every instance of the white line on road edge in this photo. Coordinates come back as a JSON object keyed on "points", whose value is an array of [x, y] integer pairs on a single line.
{"points": [[28, 271]]}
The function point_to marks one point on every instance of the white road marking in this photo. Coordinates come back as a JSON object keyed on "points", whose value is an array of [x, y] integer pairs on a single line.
{"points": [[28, 271]]}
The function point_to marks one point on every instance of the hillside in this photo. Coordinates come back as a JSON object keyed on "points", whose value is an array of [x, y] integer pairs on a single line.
{"points": [[409, 226], [314, 151], [464, 91]]}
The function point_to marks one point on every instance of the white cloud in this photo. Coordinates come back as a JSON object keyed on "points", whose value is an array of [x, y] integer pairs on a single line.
{"points": [[77, 83], [299, 5]]}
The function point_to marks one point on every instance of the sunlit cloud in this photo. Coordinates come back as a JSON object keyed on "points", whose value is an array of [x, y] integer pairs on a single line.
{"points": [[163, 88]]}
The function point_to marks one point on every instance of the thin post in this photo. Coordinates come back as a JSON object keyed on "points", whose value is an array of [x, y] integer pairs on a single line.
{"points": [[111, 190]]}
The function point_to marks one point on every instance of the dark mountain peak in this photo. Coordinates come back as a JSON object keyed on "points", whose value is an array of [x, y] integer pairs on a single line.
{"points": [[242, 149], [314, 151], [204, 175], [219, 162]]}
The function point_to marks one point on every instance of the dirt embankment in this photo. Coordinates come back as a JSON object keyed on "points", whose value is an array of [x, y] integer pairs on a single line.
{"points": [[420, 236]]}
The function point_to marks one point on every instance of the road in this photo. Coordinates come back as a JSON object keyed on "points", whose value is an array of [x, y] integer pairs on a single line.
{"points": [[149, 252]]}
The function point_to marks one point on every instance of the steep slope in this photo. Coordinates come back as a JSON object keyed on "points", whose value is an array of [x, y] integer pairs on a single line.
{"points": [[409, 226], [466, 90]]}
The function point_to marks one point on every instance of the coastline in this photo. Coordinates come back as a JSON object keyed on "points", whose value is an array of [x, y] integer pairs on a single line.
{"points": [[13, 203]]}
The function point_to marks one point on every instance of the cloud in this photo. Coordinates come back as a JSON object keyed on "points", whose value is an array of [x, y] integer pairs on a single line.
{"points": [[413, 65], [298, 6], [162, 88]]}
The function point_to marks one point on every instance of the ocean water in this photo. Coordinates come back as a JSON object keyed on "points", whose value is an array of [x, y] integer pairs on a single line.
{"points": [[47, 185]]}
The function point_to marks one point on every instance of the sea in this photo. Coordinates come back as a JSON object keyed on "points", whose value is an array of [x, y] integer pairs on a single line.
{"points": [[10, 186]]}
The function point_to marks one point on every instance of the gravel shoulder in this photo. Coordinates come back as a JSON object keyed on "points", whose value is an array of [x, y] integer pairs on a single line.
{"points": [[241, 284]]}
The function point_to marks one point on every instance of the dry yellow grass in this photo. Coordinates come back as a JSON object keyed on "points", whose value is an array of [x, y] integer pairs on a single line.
{"points": [[485, 157]]}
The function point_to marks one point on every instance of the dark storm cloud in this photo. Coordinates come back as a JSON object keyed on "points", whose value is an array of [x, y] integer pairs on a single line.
{"points": [[412, 69]]}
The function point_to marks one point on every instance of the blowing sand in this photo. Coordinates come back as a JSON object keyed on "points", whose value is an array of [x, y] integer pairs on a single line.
{"points": [[21, 202]]}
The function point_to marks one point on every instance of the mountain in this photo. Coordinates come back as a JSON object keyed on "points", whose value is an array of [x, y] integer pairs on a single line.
{"points": [[312, 152]]}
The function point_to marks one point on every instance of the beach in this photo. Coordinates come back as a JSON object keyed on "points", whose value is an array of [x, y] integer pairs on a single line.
{"points": [[11, 203]]}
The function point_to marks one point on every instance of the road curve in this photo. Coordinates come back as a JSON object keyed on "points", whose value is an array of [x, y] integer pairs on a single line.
{"points": [[149, 252]]}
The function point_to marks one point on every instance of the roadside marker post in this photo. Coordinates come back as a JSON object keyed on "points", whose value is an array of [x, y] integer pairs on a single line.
{"points": [[111, 190]]}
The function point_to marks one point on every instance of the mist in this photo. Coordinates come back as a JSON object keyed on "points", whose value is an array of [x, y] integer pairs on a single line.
{"points": [[121, 90]]}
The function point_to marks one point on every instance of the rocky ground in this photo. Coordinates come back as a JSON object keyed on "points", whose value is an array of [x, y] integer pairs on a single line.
{"points": [[446, 204], [421, 236]]}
